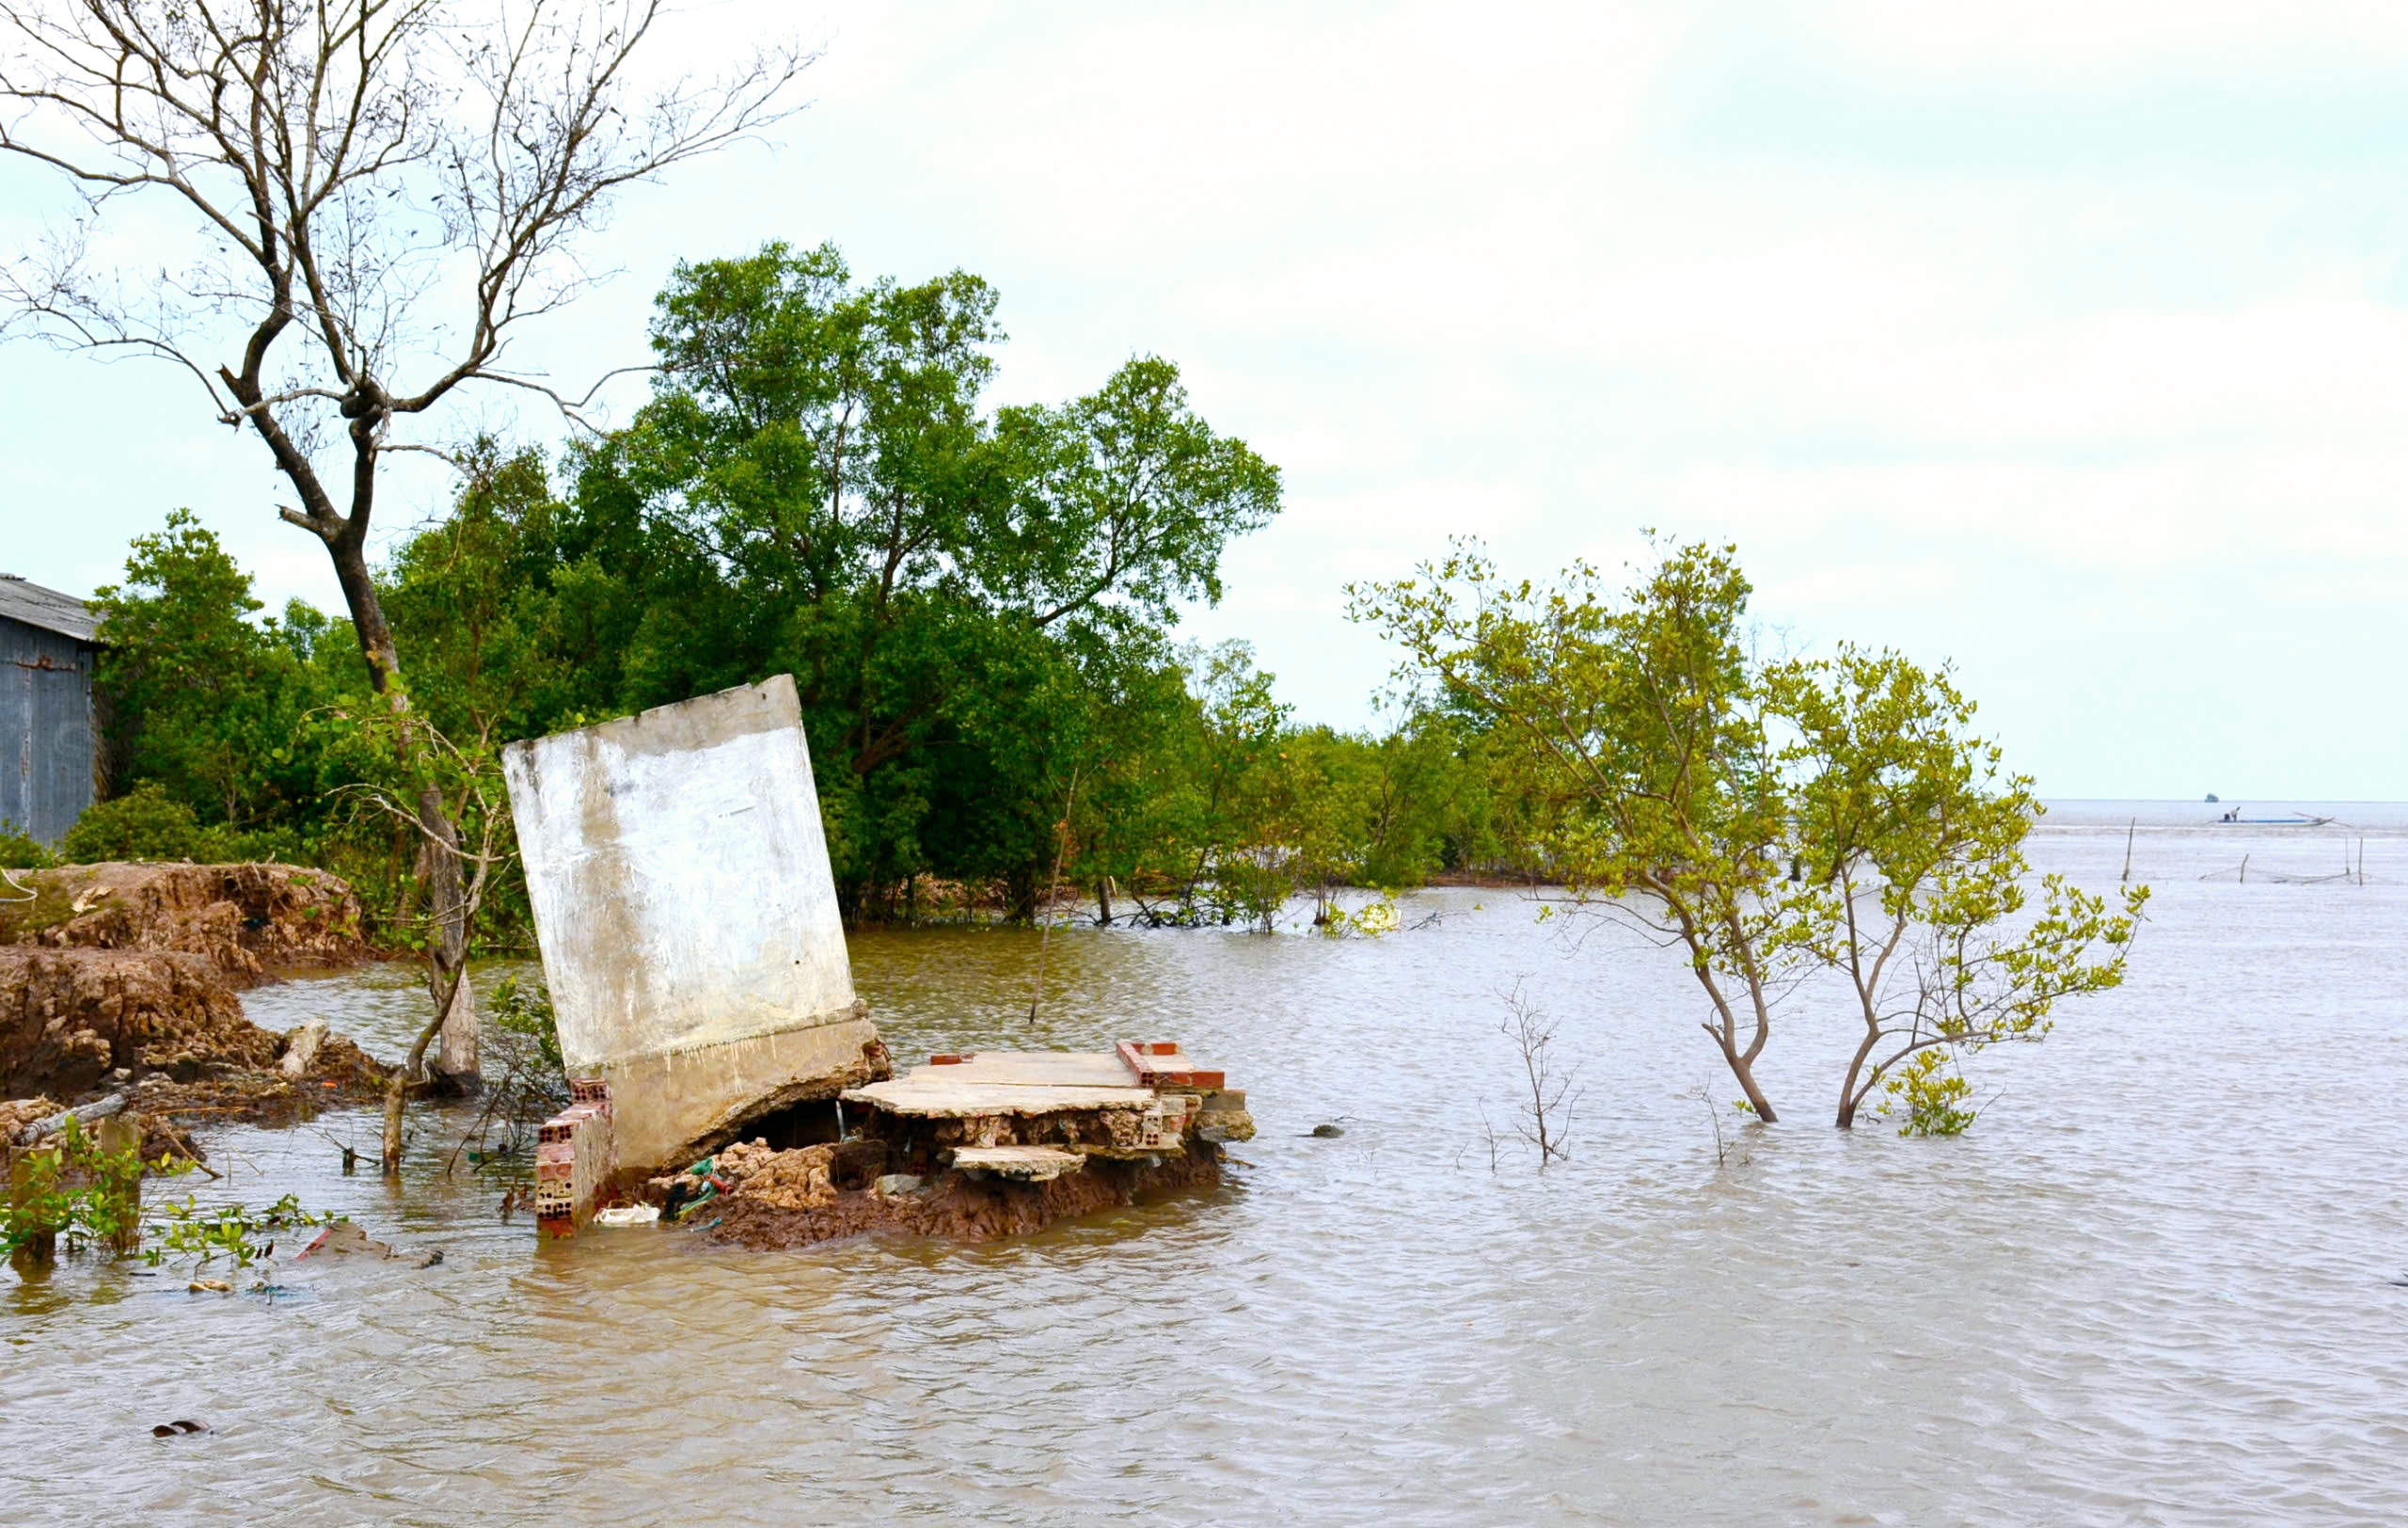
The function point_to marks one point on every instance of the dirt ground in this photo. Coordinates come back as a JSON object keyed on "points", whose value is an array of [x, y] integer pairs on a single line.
{"points": [[70, 1017], [79, 1023]]}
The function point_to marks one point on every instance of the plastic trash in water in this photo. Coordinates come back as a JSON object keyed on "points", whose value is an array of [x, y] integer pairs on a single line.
{"points": [[628, 1215]]}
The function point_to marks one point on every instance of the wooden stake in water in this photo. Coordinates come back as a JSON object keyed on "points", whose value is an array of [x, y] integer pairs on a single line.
{"points": [[2134, 828], [1053, 892], [120, 1144]]}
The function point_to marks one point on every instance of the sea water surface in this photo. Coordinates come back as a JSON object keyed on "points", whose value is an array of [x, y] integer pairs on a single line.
{"points": [[2159, 1282]]}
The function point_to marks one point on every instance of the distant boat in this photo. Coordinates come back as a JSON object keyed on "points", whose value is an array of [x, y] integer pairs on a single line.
{"points": [[2297, 819]]}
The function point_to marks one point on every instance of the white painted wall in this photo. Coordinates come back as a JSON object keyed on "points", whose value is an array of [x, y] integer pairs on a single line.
{"points": [[679, 876]]}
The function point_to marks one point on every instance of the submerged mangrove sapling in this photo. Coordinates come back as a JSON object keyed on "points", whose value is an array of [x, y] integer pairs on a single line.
{"points": [[1637, 730], [1677, 781], [1919, 894]]}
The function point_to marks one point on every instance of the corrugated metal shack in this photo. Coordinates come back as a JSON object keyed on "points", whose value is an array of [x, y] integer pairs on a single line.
{"points": [[47, 753]]}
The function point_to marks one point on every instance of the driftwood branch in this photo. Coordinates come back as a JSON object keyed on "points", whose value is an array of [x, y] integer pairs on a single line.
{"points": [[99, 1108]]}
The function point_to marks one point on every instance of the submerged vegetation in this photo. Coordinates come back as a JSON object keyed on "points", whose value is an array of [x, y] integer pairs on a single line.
{"points": [[1771, 819], [84, 1195]]}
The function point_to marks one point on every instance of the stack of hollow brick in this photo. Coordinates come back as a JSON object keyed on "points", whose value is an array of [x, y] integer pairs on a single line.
{"points": [[1159, 1064], [574, 1158], [1164, 1123]]}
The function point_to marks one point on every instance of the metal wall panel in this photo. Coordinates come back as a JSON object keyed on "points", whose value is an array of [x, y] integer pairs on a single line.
{"points": [[45, 730]]}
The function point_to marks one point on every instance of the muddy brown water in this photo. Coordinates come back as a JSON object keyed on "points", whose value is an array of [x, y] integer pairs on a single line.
{"points": [[2153, 1287]]}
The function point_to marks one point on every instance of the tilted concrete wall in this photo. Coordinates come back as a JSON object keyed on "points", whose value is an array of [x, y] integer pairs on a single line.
{"points": [[682, 897]]}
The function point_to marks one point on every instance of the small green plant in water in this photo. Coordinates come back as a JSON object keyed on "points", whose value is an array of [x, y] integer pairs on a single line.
{"points": [[1935, 1102], [82, 1194], [1370, 921], [203, 1233], [87, 1195]]}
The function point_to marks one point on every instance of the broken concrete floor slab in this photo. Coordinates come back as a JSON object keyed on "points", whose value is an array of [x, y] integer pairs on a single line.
{"points": [[999, 1143], [973, 1146], [1034, 1163]]}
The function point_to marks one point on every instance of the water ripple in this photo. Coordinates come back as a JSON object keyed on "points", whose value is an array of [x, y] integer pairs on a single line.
{"points": [[2152, 1287]]}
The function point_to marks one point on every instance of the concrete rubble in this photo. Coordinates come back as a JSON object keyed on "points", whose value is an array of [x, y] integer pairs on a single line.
{"points": [[723, 1068]]}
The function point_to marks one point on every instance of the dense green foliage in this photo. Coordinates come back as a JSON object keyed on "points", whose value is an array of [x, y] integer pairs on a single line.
{"points": [[147, 823], [972, 603], [977, 605], [207, 698]]}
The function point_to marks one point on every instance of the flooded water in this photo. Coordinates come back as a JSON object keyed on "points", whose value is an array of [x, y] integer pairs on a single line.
{"points": [[2156, 1285]]}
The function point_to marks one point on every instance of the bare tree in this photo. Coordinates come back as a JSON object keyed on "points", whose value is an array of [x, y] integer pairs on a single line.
{"points": [[376, 197], [1545, 1114], [1714, 1119]]}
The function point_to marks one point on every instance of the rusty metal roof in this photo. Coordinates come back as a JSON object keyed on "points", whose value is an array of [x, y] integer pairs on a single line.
{"points": [[46, 608]]}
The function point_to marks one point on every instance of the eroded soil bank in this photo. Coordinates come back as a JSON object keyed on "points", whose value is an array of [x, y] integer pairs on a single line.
{"points": [[247, 921], [122, 977]]}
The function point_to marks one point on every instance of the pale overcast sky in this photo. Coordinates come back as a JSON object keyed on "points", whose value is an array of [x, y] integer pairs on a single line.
{"points": [[2070, 341]]}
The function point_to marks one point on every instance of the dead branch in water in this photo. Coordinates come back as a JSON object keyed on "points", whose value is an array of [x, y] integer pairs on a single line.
{"points": [[1545, 1120]]}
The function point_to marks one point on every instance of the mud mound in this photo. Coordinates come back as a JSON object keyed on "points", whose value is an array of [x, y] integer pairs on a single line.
{"points": [[69, 1017], [788, 1199], [72, 1019], [344, 1068], [246, 920]]}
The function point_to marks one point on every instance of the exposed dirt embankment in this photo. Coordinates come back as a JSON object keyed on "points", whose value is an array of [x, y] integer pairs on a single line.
{"points": [[246, 920], [68, 1018], [75, 1023], [120, 976], [796, 1198]]}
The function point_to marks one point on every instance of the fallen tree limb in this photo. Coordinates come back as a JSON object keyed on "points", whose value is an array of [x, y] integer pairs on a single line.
{"points": [[100, 1109]]}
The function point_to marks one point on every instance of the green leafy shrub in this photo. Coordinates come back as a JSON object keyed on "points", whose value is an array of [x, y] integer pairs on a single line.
{"points": [[202, 1233], [1935, 1102], [527, 1012], [145, 824], [19, 852], [80, 1193], [87, 1196]]}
